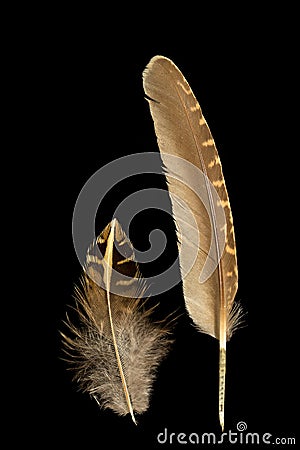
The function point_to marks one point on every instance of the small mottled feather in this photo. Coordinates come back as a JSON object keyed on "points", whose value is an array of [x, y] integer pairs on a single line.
{"points": [[115, 351]]}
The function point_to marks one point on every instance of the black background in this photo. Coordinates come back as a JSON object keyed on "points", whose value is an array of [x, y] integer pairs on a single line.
{"points": [[81, 105]]}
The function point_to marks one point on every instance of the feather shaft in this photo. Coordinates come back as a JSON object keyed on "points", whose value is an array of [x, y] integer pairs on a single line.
{"points": [[222, 374], [108, 257]]}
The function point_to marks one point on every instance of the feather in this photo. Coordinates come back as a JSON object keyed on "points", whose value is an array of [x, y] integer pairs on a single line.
{"points": [[210, 286], [116, 348]]}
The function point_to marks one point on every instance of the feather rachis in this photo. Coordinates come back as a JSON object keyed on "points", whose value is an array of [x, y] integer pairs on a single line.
{"points": [[108, 259]]}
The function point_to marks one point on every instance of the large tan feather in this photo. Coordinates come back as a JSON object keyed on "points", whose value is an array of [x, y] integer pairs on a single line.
{"points": [[116, 347], [211, 284]]}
